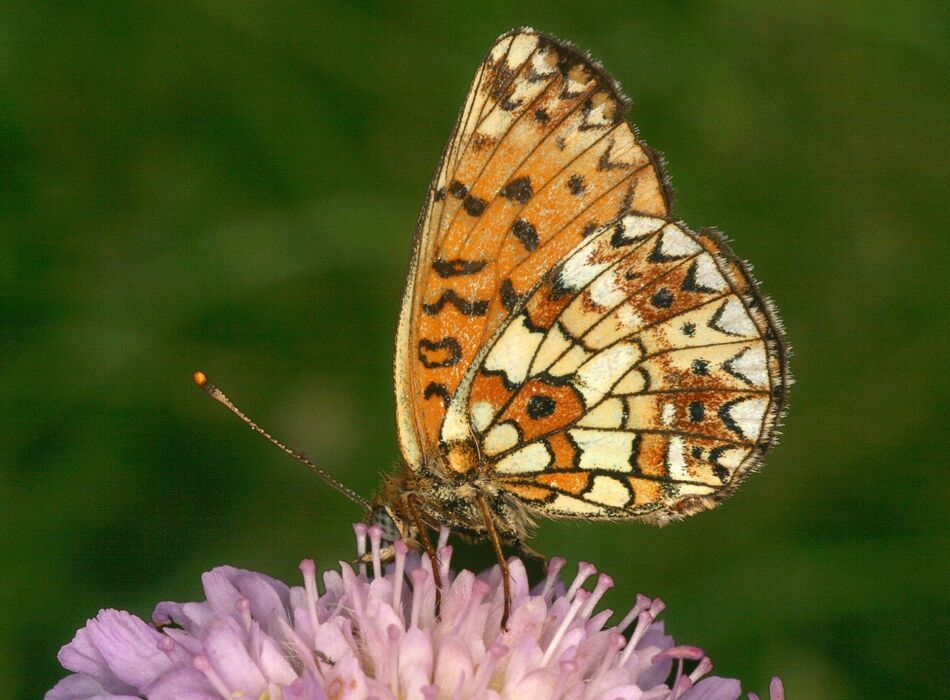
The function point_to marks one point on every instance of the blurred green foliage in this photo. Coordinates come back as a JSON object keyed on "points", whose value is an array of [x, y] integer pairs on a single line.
{"points": [[234, 187]]}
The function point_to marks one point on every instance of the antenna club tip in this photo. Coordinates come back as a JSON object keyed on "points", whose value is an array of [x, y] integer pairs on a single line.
{"points": [[201, 379]]}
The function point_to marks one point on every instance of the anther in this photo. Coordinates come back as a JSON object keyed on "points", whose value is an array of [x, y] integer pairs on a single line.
{"points": [[584, 571]]}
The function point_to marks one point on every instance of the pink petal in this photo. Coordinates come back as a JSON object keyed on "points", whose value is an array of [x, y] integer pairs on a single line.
{"points": [[539, 683], [269, 597], [525, 656], [714, 688], [347, 681], [415, 662], [184, 683], [274, 664], [79, 686], [129, 648], [623, 692], [82, 656], [307, 687], [220, 592], [224, 647], [330, 640], [454, 666]]}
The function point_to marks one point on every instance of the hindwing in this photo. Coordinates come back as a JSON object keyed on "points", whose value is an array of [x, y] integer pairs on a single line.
{"points": [[642, 377]]}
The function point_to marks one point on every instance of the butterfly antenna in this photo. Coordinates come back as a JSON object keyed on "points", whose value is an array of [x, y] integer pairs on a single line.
{"points": [[201, 379]]}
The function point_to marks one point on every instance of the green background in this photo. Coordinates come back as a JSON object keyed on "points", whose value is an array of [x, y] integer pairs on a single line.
{"points": [[234, 187]]}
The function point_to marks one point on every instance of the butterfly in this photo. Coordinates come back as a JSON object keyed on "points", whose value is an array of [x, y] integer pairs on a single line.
{"points": [[566, 348]]}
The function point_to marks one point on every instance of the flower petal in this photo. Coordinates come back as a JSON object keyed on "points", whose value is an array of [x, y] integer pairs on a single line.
{"points": [[624, 692], [274, 664], [539, 683], [79, 686], [307, 687], [714, 688], [126, 646], [82, 656], [224, 647], [221, 593], [183, 683], [347, 681], [454, 666], [415, 662], [269, 597], [364, 638]]}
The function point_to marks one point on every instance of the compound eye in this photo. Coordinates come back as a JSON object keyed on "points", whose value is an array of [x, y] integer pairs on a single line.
{"points": [[382, 516]]}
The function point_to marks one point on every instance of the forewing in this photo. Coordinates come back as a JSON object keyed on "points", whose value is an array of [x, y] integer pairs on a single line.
{"points": [[643, 377], [540, 158]]}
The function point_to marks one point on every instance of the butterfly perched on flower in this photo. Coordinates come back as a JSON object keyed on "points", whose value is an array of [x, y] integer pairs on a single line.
{"points": [[566, 347]]}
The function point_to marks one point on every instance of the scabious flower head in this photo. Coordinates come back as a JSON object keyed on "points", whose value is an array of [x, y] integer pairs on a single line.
{"points": [[374, 634]]}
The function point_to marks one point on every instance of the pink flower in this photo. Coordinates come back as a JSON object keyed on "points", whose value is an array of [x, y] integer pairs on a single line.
{"points": [[373, 634]]}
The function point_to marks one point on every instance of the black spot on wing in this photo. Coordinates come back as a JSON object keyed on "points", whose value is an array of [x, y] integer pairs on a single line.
{"points": [[696, 411], [540, 406], [458, 190], [700, 367], [518, 190], [457, 266], [576, 184], [509, 297], [526, 233], [436, 389], [474, 206], [663, 299], [429, 351], [478, 307]]}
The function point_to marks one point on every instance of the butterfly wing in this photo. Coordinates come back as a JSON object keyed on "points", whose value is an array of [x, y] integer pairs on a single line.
{"points": [[642, 377], [540, 157]]}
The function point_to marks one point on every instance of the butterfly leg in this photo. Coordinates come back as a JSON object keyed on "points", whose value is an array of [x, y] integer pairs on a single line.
{"points": [[502, 562], [430, 551]]}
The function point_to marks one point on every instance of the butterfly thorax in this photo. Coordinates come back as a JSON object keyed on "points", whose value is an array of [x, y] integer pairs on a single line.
{"points": [[446, 496]]}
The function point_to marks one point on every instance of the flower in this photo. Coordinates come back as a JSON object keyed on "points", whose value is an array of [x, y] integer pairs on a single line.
{"points": [[375, 635]]}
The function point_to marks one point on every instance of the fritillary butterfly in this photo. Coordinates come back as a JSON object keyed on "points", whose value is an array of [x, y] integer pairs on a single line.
{"points": [[566, 348]]}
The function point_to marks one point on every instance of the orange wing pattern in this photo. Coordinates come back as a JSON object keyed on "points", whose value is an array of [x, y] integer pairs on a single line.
{"points": [[643, 377], [540, 158]]}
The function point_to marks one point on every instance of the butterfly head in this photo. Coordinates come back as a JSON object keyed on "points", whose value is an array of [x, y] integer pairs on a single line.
{"points": [[392, 526]]}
